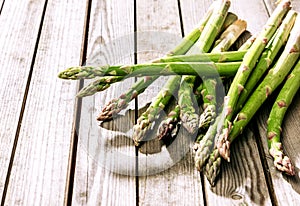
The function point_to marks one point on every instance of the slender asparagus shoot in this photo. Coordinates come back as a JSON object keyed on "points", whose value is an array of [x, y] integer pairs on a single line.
{"points": [[99, 85], [273, 79], [113, 107], [283, 101], [209, 103], [249, 63]]}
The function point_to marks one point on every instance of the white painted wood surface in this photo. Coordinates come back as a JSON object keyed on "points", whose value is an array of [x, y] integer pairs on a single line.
{"points": [[19, 26], [40, 167]]}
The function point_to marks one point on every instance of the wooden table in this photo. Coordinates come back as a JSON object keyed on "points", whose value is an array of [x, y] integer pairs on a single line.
{"points": [[51, 150]]}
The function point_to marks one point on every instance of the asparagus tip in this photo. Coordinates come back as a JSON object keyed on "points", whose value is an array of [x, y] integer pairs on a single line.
{"points": [[224, 145], [282, 162]]}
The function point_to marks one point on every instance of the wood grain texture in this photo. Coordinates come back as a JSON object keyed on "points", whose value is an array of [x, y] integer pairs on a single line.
{"points": [[19, 25], [286, 189], [39, 172], [105, 163], [239, 179], [170, 170]]}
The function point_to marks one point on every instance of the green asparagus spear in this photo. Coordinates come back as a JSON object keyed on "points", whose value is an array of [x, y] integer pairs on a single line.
{"points": [[116, 105], [274, 77], [99, 85], [153, 69], [249, 62], [209, 103], [188, 105], [283, 101], [268, 56], [213, 26]]}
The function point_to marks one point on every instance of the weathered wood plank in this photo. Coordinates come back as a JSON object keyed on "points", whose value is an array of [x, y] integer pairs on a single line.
{"points": [[105, 163], [241, 181], [163, 184], [19, 25], [286, 189], [39, 172]]}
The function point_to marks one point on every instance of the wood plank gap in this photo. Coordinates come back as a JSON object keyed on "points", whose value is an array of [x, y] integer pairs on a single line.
{"points": [[266, 7], [264, 164], [136, 105], [2, 5], [11, 161], [74, 140], [180, 18], [204, 187]]}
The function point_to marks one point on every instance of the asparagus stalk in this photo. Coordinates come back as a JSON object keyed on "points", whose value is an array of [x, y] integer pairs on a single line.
{"points": [[283, 101], [116, 105], [209, 103], [188, 105], [146, 120], [213, 26], [268, 56], [153, 69], [247, 43], [249, 62], [226, 56], [273, 79]]}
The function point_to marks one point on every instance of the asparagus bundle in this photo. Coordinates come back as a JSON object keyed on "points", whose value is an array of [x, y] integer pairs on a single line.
{"points": [[248, 64], [283, 101], [273, 79]]}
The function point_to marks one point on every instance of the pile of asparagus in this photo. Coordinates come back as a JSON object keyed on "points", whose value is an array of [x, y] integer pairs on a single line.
{"points": [[255, 70]]}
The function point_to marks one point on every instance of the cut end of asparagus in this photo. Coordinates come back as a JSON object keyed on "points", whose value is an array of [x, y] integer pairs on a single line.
{"points": [[281, 161], [208, 116], [223, 145]]}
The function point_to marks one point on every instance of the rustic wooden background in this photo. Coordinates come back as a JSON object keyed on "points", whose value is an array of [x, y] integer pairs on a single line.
{"points": [[53, 152]]}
